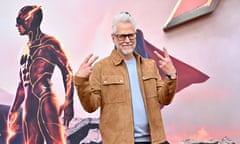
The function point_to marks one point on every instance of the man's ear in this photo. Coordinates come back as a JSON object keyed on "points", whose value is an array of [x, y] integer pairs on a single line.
{"points": [[112, 37]]}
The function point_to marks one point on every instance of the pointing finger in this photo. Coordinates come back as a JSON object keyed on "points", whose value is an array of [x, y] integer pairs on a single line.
{"points": [[158, 55], [87, 58], [90, 62], [165, 52]]}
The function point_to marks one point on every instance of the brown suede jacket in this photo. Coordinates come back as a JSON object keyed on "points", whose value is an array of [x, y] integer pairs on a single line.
{"points": [[108, 88]]}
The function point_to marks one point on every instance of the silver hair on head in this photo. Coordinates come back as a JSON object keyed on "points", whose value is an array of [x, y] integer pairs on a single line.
{"points": [[122, 17]]}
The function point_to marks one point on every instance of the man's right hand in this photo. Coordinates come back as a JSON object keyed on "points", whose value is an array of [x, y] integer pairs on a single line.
{"points": [[85, 68]]}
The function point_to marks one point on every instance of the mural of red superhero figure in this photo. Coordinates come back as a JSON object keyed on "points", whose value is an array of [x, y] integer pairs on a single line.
{"points": [[41, 110]]}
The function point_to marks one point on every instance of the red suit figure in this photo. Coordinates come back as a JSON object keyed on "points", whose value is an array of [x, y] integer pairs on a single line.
{"points": [[41, 111]]}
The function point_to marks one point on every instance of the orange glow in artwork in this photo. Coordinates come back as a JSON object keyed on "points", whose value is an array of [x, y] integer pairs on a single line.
{"points": [[12, 127], [11, 133], [202, 134]]}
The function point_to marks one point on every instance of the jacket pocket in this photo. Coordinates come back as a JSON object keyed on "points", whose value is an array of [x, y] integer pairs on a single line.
{"points": [[150, 85], [113, 89]]}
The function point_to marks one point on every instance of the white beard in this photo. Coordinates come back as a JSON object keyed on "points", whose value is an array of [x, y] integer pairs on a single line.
{"points": [[127, 52]]}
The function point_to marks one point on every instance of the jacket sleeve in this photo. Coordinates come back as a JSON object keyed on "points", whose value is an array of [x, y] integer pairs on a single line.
{"points": [[89, 91], [166, 89]]}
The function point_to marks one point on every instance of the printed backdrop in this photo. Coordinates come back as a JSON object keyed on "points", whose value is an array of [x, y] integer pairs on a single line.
{"points": [[210, 45]]}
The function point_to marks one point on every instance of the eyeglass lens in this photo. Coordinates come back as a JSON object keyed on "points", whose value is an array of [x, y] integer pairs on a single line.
{"points": [[124, 36]]}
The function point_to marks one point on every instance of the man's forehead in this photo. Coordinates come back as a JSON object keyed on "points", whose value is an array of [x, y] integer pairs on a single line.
{"points": [[125, 26]]}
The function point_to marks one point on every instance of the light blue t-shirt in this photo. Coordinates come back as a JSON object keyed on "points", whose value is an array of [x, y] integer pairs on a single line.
{"points": [[141, 127]]}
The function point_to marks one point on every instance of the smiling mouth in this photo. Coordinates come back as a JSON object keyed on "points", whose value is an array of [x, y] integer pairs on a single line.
{"points": [[127, 45]]}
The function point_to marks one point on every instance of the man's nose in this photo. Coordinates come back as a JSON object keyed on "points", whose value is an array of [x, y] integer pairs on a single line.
{"points": [[127, 39]]}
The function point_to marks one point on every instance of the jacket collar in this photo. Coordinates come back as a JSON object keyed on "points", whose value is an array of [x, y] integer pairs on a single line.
{"points": [[117, 58]]}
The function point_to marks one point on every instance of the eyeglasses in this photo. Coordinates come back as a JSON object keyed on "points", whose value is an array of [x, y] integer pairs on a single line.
{"points": [[122, 37]]}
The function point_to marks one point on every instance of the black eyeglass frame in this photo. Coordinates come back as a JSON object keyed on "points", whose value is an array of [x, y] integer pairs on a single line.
{"points": [[122, 37]]}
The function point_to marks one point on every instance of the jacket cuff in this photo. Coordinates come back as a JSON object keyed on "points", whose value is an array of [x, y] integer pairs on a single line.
{"points": [[79, 80]]}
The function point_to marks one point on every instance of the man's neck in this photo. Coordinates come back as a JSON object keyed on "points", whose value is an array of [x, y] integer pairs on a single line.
{"points": [[128, 57]]}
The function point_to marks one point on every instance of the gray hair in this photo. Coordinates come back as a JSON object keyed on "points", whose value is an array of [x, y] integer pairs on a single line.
{"points": [[122, 17]]}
